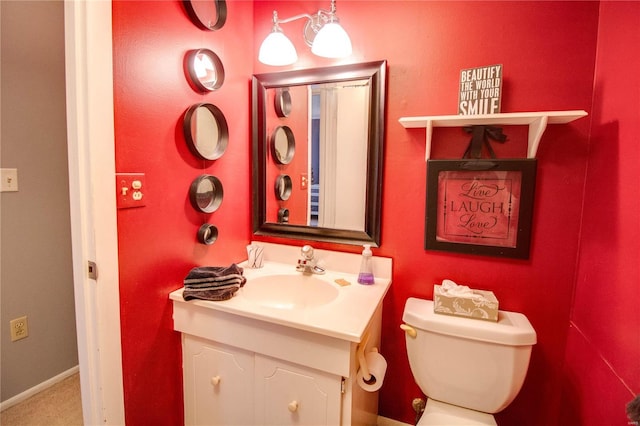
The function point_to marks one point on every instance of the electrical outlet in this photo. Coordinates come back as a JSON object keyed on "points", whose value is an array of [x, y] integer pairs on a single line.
{"points": [[130, 190], [19, 328]]}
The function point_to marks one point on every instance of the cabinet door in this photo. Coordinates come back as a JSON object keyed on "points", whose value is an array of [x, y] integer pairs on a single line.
{"points": [[218, 383], [289, 394]]}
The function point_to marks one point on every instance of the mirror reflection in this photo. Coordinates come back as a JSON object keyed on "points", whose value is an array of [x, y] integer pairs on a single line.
{"points": [[282, 102], [206, 131], [337, 122], [283, 187], [207, 14], [283, 144], [206, 193], [205, 70], [207, 234]]}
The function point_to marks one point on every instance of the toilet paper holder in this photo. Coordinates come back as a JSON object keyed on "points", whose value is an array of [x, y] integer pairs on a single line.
{"points": [[366, 375]]}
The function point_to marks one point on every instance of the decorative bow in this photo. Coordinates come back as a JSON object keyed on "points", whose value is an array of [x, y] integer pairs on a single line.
{"points": [[480, 135]]}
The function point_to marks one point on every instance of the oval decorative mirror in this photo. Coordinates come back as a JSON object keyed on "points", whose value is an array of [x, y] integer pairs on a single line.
{"points": [[282, 102], [283, 144], [206, 131], [207, 234], [207, 14], [283, 187], [339, 119], [204, 70], [206, 193]]}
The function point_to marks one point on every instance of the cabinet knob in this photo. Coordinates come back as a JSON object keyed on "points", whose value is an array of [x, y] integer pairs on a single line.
{"points": [[215, 380], [293, 406]]}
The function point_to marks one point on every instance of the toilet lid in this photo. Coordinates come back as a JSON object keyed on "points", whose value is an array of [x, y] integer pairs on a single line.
{"points": [[438, 413], [511, 329]]}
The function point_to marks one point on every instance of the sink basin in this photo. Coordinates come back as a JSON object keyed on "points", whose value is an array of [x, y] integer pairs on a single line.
{"points": [[289, 291]]}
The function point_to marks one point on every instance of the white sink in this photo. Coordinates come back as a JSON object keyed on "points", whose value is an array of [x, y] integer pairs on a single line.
{"points": [[332, 304], [290, 291]]}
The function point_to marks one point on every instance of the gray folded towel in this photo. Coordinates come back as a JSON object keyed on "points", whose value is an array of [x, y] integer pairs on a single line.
{"points": [[213, 282]]}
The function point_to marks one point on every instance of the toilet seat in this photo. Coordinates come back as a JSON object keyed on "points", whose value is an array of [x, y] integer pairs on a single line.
{"points": [[438, 413]]}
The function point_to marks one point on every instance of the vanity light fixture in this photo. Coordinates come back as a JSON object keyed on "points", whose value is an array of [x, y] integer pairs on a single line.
{"points": [[322, 32]]}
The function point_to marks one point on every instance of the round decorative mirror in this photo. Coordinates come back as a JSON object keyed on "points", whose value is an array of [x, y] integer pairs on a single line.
{"points": [[207, 234], [283, 216], [283, 187], [207, 14], [283, 144], [204, 69], [206, 193], [282, 102], [206, 131]]}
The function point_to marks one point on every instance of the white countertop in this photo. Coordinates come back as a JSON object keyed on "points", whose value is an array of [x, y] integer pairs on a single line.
{"points": [[346, 317]]}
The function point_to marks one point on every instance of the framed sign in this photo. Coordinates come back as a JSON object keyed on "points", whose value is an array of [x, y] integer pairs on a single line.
{"points": [[480, 206]]}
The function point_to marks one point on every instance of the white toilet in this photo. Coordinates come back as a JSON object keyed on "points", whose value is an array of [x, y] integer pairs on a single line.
{"points": [[468, 368]]}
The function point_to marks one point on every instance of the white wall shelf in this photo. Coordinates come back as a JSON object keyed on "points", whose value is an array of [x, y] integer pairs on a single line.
{"points": [[537, 122]]}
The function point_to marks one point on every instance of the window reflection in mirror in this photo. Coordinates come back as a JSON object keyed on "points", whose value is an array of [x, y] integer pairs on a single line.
{"points": [[338, 162]]}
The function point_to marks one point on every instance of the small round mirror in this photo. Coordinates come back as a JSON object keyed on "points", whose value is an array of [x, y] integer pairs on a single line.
{"points": [[206, 193], [283, 102], [206, 131], [283, 144], [207, 14], [204, 69], [283, 187], [283, 215], [207, 234]]}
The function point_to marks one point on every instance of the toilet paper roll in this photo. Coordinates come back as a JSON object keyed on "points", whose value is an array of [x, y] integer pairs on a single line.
{"points": [[377, 368]]}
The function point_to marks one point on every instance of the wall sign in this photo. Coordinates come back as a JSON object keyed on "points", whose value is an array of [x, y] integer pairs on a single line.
{"points": [[480, 90], [480, 206]]}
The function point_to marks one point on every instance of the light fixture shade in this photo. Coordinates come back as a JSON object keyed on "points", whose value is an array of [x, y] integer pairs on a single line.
{"points": [[332, 41], [277, 50]]}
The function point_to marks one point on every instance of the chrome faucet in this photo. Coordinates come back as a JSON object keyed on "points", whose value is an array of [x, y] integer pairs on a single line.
{"points": [[307, 263]]}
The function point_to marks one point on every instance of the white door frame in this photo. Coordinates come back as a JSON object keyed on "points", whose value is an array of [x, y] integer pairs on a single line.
{"points": [[91, 147]]}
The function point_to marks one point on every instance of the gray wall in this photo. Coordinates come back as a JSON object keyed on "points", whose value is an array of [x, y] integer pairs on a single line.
{"points": [[36, 269]]}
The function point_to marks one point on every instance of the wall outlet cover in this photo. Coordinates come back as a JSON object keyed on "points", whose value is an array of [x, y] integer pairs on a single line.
{"points": [[130, 190], [19, 328]]}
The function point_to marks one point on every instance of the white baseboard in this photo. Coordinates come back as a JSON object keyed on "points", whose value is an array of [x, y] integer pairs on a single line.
{"points": [[37, 388], [384, 421]]}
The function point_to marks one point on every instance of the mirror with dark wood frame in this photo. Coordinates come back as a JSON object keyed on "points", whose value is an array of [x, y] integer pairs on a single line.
{"points": [[337, 119], [207, 14]]}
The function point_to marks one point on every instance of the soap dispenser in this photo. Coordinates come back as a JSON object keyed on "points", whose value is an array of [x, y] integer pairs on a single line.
{"points": [[366, 267]]}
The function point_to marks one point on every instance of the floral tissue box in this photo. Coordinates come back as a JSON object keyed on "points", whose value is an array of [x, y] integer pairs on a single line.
{"points": [[461, 301]]}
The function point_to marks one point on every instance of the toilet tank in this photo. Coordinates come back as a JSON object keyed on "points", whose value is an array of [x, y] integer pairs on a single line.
{"points": [[472, 363]]}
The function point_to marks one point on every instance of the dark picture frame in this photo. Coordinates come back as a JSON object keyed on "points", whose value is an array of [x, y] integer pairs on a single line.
{"points": [[479, 206]]}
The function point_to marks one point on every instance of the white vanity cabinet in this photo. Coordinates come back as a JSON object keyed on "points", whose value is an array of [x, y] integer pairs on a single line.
{"points": [[288, 394], [277, 356], [218, 383], [229, 386], [244, 371]]}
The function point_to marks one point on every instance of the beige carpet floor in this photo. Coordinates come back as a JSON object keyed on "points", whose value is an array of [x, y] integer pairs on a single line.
{"points": [[59, 405]]}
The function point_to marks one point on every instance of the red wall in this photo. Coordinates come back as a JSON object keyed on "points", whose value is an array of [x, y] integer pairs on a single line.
{"points": [[604, 338], [549, 55], [157, 243]]}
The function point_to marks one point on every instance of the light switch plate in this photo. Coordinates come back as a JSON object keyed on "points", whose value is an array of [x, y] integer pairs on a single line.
{"points": [[130, 190], [9, 180]]}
